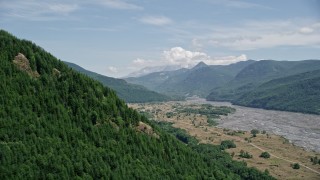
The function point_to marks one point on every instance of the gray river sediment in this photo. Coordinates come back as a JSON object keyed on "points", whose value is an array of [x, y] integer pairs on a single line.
{"points": [[300, 129]]}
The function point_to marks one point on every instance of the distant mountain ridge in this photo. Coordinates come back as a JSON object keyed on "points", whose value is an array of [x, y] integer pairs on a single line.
{"points": [[199, 80], [258, 73], [268, 84], [300, 92], [126, 91], [152, 69]]}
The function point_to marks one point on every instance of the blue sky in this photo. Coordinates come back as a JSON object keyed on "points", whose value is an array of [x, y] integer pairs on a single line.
{"points": [[116, 37]]}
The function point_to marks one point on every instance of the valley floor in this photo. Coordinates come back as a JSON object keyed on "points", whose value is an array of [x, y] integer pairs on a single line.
{"points": [[299, 127]]}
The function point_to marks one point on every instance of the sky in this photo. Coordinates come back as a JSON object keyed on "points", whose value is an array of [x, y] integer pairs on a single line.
{"points": [[117, 37]]}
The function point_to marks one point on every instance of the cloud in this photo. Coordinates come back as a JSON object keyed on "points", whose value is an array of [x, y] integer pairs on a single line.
{"points": [[156, 20], [37, 10], [248, 35], [306, 30], [185, 58], [239, 4], [118, 4], [259, 35], [46, 10], [180, 56], [63, 8], [142, 62], [226, 60], [172, 59], [112, 69]]}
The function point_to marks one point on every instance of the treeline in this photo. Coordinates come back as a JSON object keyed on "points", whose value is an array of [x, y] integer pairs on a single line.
{"points": [[208, 110], [62, 125]]}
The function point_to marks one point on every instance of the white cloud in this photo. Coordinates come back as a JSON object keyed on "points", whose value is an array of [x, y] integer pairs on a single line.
{"points": [[306, 30], [63, 8], [180, 56], [239, 4], [142, 62], [249, 35], [156, 20], [185, 58], [258, 35], [46, 10], [226, 60], [112, 69], [37, 10], [172, 59], [118, 4]]}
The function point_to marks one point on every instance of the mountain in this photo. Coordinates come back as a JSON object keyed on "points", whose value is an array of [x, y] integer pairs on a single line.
{"points": [[200, 65], [199, 80], [300, 93], [258, 73], [153, 80], [57, 123], [152, 69], [131, 93]]}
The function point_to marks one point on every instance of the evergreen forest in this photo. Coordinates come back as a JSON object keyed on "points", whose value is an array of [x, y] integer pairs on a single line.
{"points": [[56, 123]]}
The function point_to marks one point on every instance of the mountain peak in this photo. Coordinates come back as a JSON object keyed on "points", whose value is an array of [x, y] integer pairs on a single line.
{"points": [[200, 65]]}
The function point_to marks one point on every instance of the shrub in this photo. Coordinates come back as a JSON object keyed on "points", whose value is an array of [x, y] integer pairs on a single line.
{"points": [[254, 132], [212, 122], [315, 160], [265, 155], [245, 154], [227, 144], [296, 166]]}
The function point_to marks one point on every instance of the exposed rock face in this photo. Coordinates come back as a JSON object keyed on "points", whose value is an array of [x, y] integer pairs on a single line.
{"points": [[24, 65], [56, 72], [145, 128]]}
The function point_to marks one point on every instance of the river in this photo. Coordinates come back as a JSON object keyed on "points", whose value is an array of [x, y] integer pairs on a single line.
{"points": [[300, 129]]}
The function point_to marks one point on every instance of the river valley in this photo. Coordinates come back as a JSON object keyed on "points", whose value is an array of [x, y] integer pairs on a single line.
{"points": [[300, 129]]}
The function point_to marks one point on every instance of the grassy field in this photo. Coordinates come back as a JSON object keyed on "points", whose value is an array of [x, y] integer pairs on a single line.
{"points": [[194, 119]]}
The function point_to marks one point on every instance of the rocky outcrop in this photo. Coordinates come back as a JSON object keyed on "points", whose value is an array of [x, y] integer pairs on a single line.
{"points": [[24, 65], [147, 129]]}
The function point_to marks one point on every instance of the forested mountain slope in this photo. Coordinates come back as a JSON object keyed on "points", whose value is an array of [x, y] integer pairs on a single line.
{"points": [[258, 73], [131, 93], [199, 80], [56, 123], [299, 93]]}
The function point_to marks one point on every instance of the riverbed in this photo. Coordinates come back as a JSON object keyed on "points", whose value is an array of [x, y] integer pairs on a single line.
{"points": [[300, 129]]}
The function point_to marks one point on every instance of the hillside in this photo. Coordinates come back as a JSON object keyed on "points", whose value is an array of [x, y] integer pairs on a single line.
{"points": [[199, 80], [258, 73], [299, 93], [59, 124], [128, 92]]}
